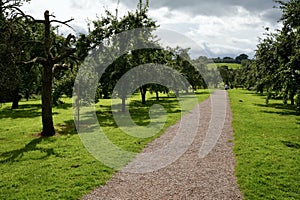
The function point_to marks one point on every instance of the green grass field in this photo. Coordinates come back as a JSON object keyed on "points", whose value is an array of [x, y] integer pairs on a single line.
{"points": [[267, 147], [60, 167], [230, 65]]}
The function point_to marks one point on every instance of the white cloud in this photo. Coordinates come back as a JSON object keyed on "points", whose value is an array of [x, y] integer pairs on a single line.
{"points": [[221, 27]]}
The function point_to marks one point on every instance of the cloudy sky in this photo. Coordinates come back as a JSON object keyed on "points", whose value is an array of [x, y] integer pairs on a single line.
{"points": [[220, 27]]}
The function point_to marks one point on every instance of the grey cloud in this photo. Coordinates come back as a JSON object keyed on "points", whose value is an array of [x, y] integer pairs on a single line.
{"points": [[214, 8], [271, 15]]}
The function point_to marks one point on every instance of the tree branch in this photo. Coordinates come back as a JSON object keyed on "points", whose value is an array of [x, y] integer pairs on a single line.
{"points": [[39, 60], [23, 15], [64, 55], [63, 22]]}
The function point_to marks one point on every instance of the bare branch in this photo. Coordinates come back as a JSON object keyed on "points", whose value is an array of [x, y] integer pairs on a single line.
{"points": [[68, 40], [63, 22], [39, 21], [23, 15], [39, 60], [64, 55]]}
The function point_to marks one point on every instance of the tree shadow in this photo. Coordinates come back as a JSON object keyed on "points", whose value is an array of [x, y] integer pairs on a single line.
{"points": [[138, 112], [291, 144], [14, 155], [67, 128], [281, 109], [24, 111], [202, 92], [64, 106]]}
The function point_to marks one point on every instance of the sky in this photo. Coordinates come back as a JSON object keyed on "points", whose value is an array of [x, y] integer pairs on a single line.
{"points": [[219, 27]]}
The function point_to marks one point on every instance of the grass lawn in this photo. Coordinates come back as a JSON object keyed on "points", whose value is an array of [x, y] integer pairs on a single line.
{"points": [[60, 167], [267, 147], [230, 65]]}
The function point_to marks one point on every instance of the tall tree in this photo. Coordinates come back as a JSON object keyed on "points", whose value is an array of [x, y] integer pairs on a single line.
{"points": [[277, 60], [12, 36], [107, 28], [49, 60]]}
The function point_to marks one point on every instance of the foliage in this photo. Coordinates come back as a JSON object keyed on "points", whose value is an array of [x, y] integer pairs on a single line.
{"points": [[12, 52], [276, 68]]}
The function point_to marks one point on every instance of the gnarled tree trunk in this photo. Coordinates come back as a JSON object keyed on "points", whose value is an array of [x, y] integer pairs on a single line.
{"points": [[47, 119]]}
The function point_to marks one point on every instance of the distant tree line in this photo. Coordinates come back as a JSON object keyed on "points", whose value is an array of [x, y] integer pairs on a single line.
{"points": [[227, 59]]}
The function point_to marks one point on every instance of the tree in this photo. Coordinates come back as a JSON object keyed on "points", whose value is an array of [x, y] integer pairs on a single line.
{"points": [[288, 48], [12, 51], [49, 60], [227, 75], [277, 60], [241, 57], [105, 29]]}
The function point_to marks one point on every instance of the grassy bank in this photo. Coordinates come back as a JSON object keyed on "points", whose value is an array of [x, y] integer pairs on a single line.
{"points": [[267, 147], [60, 167]]}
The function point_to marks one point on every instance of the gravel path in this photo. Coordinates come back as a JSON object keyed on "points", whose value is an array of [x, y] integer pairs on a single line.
{"points": [[197, 174]]}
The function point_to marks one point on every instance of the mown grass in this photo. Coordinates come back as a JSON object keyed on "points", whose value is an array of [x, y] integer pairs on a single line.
{"points": [[230, 65], [267, 147], [60, 167]]}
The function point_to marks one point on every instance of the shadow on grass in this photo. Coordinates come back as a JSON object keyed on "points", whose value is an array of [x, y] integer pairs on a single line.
{"points": [[67, 128], [202, 92], [138, 111], [64, 106], [29, 111], [281, 109], [14, 155], [24, 111], [291, 144]]}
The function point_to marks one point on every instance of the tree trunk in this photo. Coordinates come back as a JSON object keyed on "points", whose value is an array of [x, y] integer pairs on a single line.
{"points": [[16, 99], [285, 97], [157, 95], [143, 91], [292, 95], [123, 103], [47, 119], [177, 93]]}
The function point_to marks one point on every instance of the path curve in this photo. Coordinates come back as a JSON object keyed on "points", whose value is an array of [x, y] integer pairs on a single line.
{"points": [[191, 176]]}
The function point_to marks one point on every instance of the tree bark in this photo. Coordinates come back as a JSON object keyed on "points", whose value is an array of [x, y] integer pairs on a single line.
{"points": [[47, 119], [123, 103], [157, 95], [143, 91], [16, 99], [292, 96], [177, 93]]}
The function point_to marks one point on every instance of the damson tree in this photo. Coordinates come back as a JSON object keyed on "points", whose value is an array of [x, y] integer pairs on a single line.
{"points": [[288, 48], [12, 51], [277, 60], [104, 36]]}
